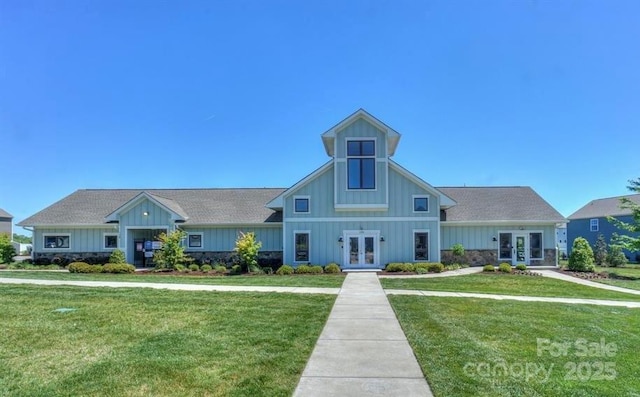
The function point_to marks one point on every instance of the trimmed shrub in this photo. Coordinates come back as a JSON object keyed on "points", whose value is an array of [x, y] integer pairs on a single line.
{"points": [[581, 258], [505, 267], [220, 269], [117, 256], [315, 269], [453, 266], [332, 268], [396, 267], [435, 267], [255, 269], [615, 256], [488, 268], [194, 268], [267, 270], [180, 268], [303, 269], [206, 268], [236, 269], [83, 267], [521, 266], [284, 270], [421, 270], [118, 268]]}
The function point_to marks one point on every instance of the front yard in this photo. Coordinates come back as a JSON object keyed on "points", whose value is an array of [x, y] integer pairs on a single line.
{"points": [[141, 342], [506, 284], [475, 347]]}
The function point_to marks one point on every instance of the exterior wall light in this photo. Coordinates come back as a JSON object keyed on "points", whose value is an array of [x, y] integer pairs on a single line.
{"points": [[145, 213], [382, 239], [340, 239]]}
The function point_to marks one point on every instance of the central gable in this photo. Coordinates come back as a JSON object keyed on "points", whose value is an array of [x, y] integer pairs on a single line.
{"points": [[148, 209]]}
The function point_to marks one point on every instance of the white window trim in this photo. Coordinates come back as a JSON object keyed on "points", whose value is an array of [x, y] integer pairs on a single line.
{"points": [[308, 198], [104, 241], [413, 203], [594, 222], [201, 247], [375, 157], [45, 235], [413, 245], [308, 233]]}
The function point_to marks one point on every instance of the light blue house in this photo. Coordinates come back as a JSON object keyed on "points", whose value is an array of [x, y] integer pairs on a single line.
{"points": [[361, 210], [591, 220]]}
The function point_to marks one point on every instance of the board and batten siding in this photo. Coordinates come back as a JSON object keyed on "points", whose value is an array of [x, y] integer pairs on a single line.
{"points": [[320, 193], [157, 216], [224, 238], [81, 240], [324, 247], [481, 237], [582, 228]]}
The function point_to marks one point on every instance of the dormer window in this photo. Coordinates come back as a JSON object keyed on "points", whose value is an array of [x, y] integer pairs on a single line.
{"points": [[361, 164]]}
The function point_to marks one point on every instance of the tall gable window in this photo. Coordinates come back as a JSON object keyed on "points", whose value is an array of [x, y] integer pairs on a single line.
{"points": [[361, 164]]}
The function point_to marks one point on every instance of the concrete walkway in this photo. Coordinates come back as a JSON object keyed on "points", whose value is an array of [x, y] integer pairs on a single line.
{"points": [[362, 350], [460, 272], [566, 277]]}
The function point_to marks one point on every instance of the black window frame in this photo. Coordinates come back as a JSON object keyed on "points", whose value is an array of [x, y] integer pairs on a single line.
{"points": [[57, 238], [361, 154], [415, 207], [199, 236], [106, 239], [421, 253], [302, 200], [300, 255]]}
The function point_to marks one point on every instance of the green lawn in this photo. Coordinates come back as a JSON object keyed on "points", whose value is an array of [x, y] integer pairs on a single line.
{"points": [[321, 280], [505, 284], [464, 345], [141, 342], [625, 277]]}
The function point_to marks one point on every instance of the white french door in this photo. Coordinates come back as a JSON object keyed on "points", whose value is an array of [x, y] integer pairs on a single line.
{"points": [[361, 249]]}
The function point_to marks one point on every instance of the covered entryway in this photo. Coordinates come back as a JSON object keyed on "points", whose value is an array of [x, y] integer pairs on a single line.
{"points": [[140, 246], [361, 249], [514, 248]]}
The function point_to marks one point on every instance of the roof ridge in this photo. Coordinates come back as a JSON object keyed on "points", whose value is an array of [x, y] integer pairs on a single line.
{"points": [[180, 188]]}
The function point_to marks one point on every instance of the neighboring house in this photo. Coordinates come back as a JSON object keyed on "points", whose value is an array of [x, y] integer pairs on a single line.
{"points": [[360, 209], [561, 239], [591, 220], [6, 223]]}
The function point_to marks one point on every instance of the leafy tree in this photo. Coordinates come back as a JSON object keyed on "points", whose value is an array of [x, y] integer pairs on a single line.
{"points": [[615, 256], [172, 252], [19, 238], [117, 256], [7, 252], [247, 249], [600, 250], [627, 242], [581, 258]]}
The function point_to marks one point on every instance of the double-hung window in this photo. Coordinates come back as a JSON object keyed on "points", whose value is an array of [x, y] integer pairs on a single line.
{"points": [[361, 164], [594, 225]]}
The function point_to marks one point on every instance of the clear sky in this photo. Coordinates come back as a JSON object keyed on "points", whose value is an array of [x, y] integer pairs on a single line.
{"points": [[150, 94]]}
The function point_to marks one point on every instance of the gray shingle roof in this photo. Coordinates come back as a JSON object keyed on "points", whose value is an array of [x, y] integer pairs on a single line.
{"points": [[200, 206], [609, 206], [509, 203], [5, 214]]}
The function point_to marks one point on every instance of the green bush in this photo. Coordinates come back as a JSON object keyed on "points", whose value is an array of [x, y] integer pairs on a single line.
{"points": [[194, 268], [615, 256], [421, 270], [7, 252], [83, 267], [521, 266], [395, 267], [453, 266], [284, 270], [236, 269], [505, 268], [488, 268], [315, 269], [581, 258], [332, 268], [118, 268], [435, 267], [206, 268], [267, 270], [220, 269], [180, 268], [117, 256], [303, 269]]}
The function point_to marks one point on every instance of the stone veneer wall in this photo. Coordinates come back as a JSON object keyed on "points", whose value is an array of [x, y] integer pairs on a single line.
{"points": [[265, 258], [483, 257], [64, 258]]}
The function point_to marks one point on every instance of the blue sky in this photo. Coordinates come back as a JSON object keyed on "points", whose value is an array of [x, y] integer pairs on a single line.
{"points": [[135, 94]]}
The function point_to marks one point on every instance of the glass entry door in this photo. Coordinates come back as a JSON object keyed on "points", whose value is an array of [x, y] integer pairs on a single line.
{"points": [[361, 249], [521, 251]]}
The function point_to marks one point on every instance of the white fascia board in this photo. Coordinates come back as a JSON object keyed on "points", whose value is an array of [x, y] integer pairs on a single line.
{"points": [[76, 226], [497, 223], [445, 201], [365, 219], [278, 202], [186, 226]]}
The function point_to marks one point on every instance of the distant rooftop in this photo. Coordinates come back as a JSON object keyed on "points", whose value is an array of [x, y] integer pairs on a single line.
{"points": [[600, 208]]}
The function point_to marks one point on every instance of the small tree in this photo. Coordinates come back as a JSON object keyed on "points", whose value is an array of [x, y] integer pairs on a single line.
{"points": [[172, 252], [117, 256], [581, 258], [7, 252], [615, 256], [627, 242], [247, 249], [458, 253], [600, 251]]}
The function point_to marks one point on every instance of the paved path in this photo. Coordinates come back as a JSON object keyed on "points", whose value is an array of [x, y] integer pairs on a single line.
{"points": [[181, 287], [566, 277], [362, 350], [460, 272]]}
